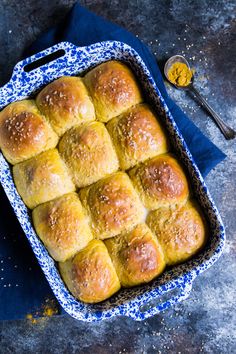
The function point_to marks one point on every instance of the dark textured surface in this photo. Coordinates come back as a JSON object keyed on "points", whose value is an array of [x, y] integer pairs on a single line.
{"points": [[205, 32]]}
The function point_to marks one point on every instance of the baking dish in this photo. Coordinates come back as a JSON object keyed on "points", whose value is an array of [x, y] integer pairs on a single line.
{"points": [[144, 301]]}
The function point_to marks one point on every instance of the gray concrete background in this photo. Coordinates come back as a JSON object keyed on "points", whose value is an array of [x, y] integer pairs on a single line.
{"points": [[205, 32]]}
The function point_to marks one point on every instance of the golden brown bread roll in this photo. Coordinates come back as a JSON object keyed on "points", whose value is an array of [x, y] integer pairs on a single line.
{"points": [[88, 152], [160, 182], [42, 178], [113, 205], [113, 89], [137, 136], [66, 103], [181, 232], [136, 255], [90, 275], [63, 226], [24, 132]]}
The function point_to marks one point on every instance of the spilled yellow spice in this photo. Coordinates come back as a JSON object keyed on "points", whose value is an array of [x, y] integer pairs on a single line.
{"points": [[179, 74], [48, 310], [31, 318]]}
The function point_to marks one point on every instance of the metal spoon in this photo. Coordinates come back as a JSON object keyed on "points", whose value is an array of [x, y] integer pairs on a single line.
{"points": [[228, 132]]}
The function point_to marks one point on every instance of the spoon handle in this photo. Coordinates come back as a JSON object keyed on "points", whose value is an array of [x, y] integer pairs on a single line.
{"points": [[228, 132]]}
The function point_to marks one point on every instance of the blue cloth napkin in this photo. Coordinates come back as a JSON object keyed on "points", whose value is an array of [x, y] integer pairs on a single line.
{"points": [[23, 288]]}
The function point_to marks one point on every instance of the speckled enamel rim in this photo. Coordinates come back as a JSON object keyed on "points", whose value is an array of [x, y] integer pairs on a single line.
{"points": [[141, 302]]}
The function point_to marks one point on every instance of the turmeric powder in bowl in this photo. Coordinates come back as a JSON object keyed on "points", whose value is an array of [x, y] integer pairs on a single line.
{"points": [[179, 74]]}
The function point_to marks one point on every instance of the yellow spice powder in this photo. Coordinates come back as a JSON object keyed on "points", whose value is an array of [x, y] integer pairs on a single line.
{"points": [[48, 310], [31, 318], [179, 74]]}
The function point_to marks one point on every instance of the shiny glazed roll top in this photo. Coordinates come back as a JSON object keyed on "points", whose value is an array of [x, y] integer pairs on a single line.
{"points": [[136, 255], [42, 178], [113, 205], [160, 182], [181, 232], [90, 275], [137, 136], [113, 88], [65, 103], [24, 132], [88, 152], [63, 226]]}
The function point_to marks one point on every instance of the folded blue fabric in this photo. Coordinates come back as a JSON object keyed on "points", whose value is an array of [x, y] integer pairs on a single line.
{"points": [[23, 288]]}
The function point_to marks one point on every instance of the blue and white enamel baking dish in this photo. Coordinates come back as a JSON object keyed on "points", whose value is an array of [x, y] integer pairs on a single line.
{"points": [[141, 302]]}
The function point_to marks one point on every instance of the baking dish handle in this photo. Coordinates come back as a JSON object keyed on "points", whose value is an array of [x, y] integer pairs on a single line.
{"points": [[44, 62], [137, 314]]}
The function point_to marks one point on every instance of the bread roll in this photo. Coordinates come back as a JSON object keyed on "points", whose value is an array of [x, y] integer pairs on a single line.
{"points": [[88, 152], [181, 232], [113, 205], [63, 226], [42, 178], [160, 182], [24, 132], [113, 89], [136, 255], [66, 103], [137, 136], [90, 275]]}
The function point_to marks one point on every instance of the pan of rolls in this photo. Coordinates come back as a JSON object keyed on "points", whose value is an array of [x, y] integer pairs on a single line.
{"points": [[103, 184]]}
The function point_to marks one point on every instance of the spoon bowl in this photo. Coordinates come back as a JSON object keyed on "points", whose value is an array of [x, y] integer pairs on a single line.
{"points": [[171, 61]]}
